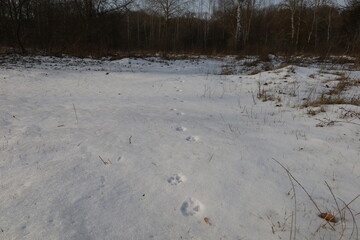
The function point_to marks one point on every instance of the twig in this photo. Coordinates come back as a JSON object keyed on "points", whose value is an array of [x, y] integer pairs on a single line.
{"points": [[323, 123], [338, 208], [293, 187], [329, 122], [348, 203], [211, 157], [313, 201], [105, 162], [332, 193], [350, 112], [291, 226], [253, 97], [339, 212], [75, 114], [228, 124], [289, 173], [355, 227]]}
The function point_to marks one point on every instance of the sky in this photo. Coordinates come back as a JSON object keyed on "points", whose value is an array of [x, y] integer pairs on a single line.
{"points": [[207, 5]]}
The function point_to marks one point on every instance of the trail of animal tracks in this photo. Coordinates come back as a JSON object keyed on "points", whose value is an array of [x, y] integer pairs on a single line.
{"points": [[158, 149]]}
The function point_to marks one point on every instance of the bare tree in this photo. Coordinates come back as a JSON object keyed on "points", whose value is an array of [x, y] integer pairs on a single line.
{"points": [[168, 9], [293, 6], [239, 7], [204, 11], [92, 8], [331, 5], [242, 11], [15, 10], [314, 23], [248, 16], [301, 3]]}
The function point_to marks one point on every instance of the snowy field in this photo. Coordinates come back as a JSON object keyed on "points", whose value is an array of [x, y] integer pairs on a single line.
{"points": [[176, 149]]}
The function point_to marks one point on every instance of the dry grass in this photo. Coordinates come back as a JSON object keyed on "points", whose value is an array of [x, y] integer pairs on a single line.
{"points": [[312, 76], [268, 66], [228, 69], [315, 111], [335, 94], [357, 62], [349, 114], [325, 99], [264, 95], [283, 65], [337, 222], [251, 63], [254, 72], [343, 83]]}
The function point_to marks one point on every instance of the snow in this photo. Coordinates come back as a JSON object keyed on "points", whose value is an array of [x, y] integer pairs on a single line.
{"points": [[170, 149]]}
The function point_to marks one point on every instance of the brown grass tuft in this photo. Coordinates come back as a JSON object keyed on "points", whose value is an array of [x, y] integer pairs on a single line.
{"points": [[335, 94]]}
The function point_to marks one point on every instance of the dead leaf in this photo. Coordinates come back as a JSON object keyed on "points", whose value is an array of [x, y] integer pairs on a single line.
{"points": [[328, 217], [207, 221]]}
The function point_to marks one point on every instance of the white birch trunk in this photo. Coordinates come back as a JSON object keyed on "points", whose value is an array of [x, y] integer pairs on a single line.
{"points": [[238, 24]]}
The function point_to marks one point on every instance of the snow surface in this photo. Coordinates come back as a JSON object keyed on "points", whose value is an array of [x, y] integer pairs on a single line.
{"points": [[158, 149]]}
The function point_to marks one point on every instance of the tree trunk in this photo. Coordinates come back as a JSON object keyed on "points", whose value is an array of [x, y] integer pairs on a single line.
{"points": [[249, 16], [329, 26], [292, 26], [238, 44], [128, 32], [298, 25], [16, 14]]}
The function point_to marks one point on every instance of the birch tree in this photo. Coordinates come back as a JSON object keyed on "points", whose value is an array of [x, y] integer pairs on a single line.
{"points": [[331, 5], [248, 16], [238, 33], [314, 25], [242, 25], [293, 6]]}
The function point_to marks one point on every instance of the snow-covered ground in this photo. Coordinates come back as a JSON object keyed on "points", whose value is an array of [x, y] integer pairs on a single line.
{"points": [[161, 149]]}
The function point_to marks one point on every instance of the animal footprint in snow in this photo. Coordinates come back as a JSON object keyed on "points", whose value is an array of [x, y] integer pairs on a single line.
{"points": [[176, 179], [181, 129], [191, 207], [179, 90], [192, 139], [180, 113]]}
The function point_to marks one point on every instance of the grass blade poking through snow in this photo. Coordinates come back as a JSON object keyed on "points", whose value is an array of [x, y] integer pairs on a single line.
{"points": [[289, 173]]}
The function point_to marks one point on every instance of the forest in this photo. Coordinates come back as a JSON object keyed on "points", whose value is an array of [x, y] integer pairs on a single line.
{"points": [[108, 27]]}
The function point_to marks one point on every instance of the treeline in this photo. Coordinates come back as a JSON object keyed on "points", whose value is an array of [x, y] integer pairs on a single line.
{"points": [[102, 27]]}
